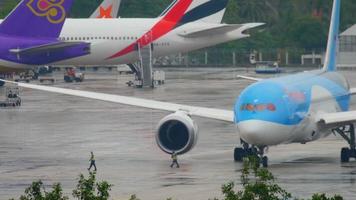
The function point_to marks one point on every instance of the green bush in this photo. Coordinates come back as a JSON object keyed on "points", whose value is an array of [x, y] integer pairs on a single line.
{"points": [[88, 189], [259, 184], [37, 191]]}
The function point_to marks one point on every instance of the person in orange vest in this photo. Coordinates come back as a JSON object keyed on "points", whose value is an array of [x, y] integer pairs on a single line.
{"points": [[92, 162], [174, 157]]}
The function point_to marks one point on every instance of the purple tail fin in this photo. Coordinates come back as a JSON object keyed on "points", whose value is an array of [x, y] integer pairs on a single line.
{"points": [[37, 18]]}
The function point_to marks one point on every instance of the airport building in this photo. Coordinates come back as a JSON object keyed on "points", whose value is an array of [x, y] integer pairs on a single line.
{"points": [[347, 49]]}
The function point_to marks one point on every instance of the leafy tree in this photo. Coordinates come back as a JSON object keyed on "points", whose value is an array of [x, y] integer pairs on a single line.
{"points": [[256, 10], [37, 191], [289, 23], [324, 197], [133, 197], [7, 6], [307, 32], [89, 189], [259, 184]]}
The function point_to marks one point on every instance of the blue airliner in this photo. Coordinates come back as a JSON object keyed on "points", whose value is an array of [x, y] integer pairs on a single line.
{"points": [[296, 108]]}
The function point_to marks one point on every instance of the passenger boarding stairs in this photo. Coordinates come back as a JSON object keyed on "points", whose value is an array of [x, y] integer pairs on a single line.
{"points": [[145, 56], [143, 69]]}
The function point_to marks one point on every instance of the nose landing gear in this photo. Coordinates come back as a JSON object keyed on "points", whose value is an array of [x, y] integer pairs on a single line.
{"points": [[348, 133], [249, 150]]}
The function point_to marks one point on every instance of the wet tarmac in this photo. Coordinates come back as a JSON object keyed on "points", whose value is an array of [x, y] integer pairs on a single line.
{"points": [[50, 138]]}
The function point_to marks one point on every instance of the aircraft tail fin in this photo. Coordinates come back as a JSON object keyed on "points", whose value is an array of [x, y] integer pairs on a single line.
{"points": [[333, 40], [37, 18], [107, 9], [210, 11]]}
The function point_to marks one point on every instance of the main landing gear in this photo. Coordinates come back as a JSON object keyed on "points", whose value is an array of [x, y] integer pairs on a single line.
{"points": [[348, 133], [247, 150]]}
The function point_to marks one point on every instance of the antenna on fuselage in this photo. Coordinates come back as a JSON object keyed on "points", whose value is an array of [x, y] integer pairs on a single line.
{"points": [[332, 48]]}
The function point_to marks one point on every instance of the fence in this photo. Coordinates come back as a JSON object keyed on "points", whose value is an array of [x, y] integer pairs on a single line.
{"points": [[233, 57]]}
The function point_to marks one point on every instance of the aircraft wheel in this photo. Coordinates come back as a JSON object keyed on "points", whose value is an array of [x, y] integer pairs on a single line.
{"points": [[345, 155], [239, 154]]}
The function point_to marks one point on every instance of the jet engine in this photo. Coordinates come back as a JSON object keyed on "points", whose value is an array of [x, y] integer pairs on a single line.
{"points": [[177, 132]]}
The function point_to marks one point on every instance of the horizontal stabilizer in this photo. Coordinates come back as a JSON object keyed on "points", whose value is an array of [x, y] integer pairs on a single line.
{"points": [[217, 29], [58, 46], [49, 53]]}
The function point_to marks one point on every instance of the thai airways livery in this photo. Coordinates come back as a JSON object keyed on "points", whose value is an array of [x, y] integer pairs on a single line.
{"points": [[184, 26], [298, 108], [29, 35]]}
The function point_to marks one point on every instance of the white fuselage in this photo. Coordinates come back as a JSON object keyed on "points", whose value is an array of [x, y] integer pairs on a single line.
{"points": [[110, 36]]}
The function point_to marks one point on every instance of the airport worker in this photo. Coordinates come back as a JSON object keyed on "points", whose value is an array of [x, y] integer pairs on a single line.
{"points": [[92, 161], [174, 157]]}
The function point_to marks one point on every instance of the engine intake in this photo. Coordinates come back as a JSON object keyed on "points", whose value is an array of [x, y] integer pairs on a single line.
{"points": [[177, 132]]}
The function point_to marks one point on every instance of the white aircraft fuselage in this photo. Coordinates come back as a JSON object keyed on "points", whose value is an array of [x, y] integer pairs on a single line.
{"points": [[111, 36]]}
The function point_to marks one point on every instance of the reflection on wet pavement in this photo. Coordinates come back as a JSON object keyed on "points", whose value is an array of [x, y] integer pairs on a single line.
{"points": [[50, 138]]}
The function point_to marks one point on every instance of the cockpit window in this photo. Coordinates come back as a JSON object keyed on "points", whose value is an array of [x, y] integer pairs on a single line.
{"points": [[258, 107]]}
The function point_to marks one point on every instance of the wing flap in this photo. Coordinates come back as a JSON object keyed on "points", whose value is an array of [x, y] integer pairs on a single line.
{"points": [[217, 114]]}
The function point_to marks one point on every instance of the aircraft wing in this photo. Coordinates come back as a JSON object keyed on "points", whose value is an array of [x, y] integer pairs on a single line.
{"points": [[217, 29], [332, 120], [352, 91], [47, 48], [250, 78], [337, 119], [211, 113]]}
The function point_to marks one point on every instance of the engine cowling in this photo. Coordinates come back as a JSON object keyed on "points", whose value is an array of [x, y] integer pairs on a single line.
{"points": [[177, 132]]}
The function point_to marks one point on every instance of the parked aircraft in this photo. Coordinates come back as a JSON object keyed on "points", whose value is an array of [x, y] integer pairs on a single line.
{"points": [[107, 9], [298, 108], [184, 26], [29, 35]]}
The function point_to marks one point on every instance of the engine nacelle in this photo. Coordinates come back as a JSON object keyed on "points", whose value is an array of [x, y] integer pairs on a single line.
{"points": [[177, 132]]}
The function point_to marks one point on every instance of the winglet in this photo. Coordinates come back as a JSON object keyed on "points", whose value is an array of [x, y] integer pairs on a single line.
{"points": [[331, 52], [37, 18]]}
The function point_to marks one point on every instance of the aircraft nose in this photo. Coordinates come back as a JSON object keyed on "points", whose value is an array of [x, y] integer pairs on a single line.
{"points": [[262, 133]]}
